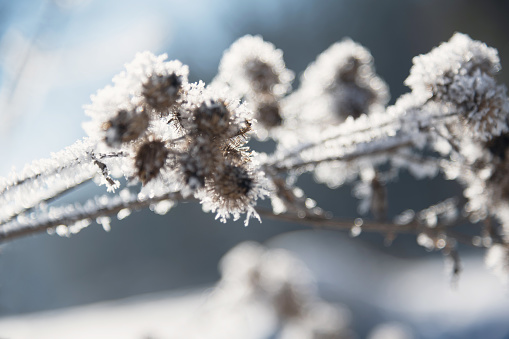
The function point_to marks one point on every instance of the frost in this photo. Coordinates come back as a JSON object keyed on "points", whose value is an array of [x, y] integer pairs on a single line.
{"points": [[252, 66], [460, 55], [497, 259], [105, 222], [155, 139], [44, 179], [405, 218], [425, 241], [341, 83], [355, 231], [123, 213], [162, 207]]}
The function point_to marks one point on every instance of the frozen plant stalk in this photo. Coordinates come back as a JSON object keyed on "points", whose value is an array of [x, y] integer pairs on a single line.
{"points": [[172, 140]]}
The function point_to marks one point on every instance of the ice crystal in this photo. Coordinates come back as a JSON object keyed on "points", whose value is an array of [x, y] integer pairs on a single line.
{"points": [[233, 192], [432, 73], [252, 67], [341, 83], [255, 70], [461, 73], [144, 89]]}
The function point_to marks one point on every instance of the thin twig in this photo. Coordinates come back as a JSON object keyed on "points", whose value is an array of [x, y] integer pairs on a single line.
{"points": [[345, 157], [71, 164], [368, 226], [45, 201], [298, 152], [34, 225]]}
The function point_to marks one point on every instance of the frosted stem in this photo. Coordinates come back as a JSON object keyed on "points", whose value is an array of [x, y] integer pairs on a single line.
{"points": [[370, 226], [70, 214]]}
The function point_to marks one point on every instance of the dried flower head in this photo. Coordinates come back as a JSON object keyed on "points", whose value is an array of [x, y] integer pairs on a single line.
{"points": [[252, 66], [149, 88], [199, 161], [483, 170], [230, 188], [459, 74], [268, 114], [236, 156], [125, 126], [215, 115], [162, 91], [233, 183], [341, 83], [150, 158], [499, 147], [212, 117], [193, 172], [351, 100], [486, 112], [233, 190], [261, 76], [434, 72]]}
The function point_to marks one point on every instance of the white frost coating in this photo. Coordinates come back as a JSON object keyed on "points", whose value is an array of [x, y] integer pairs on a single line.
{"points": [[239, 63], [402, 118], [78, 226], [162, 207], [487, 106], [226, 208], [72, 214], [123, 213], [126, 93], [44, 179], [198, 94], [368, 140], [458, 57], [153, 128], [405, 217], [341, 82], [461, 73], [105, 222], [497, 259], [250, 266]]}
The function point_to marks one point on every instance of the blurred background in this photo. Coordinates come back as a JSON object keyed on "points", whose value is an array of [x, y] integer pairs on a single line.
{"points": [[54, 54]]}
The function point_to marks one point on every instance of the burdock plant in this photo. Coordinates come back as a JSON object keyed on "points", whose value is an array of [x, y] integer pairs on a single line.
{"points": [[172, 140]]}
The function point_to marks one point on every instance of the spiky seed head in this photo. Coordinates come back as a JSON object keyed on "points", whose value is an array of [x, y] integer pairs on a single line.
{"points": [[236, 155], [486, 114], [349, 70], [432, 73], [193, 171], [150, 159], [261, 75], [162, 91], [352, 100], [233, 183], [127, 125], [269, 114], [212, 117]]}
